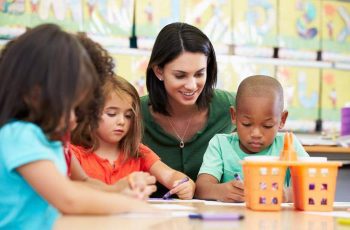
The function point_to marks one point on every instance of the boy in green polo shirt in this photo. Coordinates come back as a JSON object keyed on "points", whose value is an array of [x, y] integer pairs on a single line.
{"points": [[258, 115]]}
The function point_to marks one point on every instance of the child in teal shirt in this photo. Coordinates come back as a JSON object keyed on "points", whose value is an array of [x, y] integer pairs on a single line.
{"points": [[258, 115]]}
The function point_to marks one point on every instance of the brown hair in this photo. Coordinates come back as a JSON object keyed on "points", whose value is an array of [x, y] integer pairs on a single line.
{"points": [[130, 143], [43, 73]]}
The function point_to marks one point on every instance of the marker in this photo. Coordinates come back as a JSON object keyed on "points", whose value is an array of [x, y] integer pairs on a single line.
{"points": [[344, 221], [237, 177], [216, 216], [168, 194]]}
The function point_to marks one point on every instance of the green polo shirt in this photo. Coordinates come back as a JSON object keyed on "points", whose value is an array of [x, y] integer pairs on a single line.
{"points": [[223, 156], [188, 159]]}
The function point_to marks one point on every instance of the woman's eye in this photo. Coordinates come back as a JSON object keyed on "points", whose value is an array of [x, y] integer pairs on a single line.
{"points": [[199, 74], [179, 76], [268, 126], [246, 124]]}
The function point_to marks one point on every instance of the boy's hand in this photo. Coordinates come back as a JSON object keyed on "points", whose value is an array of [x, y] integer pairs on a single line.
{"points": [[184, 191], [232, 191]]}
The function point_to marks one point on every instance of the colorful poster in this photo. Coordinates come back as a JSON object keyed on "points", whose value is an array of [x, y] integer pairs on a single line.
{"points": [[335, 93], [213, 17], [336, 26], [133, 68], [66, 13], [14, 18], [301, 93], [299, 24], [108, 17], [153, 15], [232, 70], [254, 22]]}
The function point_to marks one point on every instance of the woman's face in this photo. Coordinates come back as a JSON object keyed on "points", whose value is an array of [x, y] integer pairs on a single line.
{"points": [[184, 78]]}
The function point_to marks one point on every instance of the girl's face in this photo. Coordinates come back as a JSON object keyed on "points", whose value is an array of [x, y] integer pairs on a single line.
{"points": [[115, 119], [184, 77]]}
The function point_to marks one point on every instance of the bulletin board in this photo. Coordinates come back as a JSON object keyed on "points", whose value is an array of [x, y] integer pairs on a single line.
{"points": [[301, 87], [254, 22], [299, 24], [213, 17], [153, 15], [133, 68], [335, 93], [336, 26]]}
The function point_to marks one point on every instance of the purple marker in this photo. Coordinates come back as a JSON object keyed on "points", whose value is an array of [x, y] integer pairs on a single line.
{"points": [[216, 216], [168, 194], [237, 177]]}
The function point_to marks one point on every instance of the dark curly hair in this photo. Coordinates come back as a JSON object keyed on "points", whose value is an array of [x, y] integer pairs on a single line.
{"points": [[88, 114]]}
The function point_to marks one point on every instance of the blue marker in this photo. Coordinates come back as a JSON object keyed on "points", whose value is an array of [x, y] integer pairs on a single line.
{"points": [[237, 177], [168, 194]]}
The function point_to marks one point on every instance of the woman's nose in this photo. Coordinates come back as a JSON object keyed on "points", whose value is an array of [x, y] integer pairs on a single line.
{"points": [[191, 83]]}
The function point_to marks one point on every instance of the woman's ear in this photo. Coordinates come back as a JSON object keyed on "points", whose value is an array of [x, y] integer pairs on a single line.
{"points": [[283, 119], [158, 72]]}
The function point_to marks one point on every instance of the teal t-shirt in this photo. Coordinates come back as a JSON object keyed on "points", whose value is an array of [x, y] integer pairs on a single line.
{"points": [[223, 155], [21, 206], [188, 159]]}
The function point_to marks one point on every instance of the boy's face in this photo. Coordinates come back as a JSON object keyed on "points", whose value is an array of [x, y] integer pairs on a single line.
{"points": [[257, 119]]}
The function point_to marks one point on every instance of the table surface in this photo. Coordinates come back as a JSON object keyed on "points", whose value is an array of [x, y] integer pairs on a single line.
{"points": [[287, 218], [326, 149]]}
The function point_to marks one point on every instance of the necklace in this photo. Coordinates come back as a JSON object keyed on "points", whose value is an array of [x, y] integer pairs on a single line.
{"points": [[181, 139]]}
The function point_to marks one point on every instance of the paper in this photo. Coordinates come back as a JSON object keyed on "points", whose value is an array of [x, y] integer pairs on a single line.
{"points": [[161, 200], [172, 207], [210, 202]]}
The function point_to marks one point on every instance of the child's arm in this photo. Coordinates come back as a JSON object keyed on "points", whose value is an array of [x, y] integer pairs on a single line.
{"points": [[137, 184], [170, 178], [72, 197], [209, 188]]}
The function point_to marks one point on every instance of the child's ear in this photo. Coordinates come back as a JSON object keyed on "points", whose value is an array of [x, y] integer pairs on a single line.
{"points": [[233, 114], [283, 119], [158, 72]]}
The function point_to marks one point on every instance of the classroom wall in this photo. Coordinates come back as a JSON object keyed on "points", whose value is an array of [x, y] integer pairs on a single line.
{"points": [[250, 37]]}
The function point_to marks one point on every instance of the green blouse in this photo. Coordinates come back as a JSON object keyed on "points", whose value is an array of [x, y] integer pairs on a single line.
{"points": [[188, 159]]}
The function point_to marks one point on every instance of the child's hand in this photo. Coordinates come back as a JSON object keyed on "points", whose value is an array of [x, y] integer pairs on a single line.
{"points": [[232, 191], [184, 191], [142, 183]]}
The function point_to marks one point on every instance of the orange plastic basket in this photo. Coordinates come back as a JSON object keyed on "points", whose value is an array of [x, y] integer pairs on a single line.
{"points": [[314, 185], [263, 184]]}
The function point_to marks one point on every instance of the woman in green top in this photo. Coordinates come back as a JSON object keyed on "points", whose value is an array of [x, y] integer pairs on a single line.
{"points": [[183, 111]]}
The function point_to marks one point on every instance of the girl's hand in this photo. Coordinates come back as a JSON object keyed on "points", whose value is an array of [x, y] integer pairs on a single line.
{"points": [[232, 191], [142, 183], [184, 190]]}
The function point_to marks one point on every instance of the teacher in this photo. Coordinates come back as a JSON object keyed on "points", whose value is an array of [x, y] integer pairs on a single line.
{"points": [[183, 111]]}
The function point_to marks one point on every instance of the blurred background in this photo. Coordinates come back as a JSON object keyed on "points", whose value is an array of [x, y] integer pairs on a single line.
{"points": [[303, 43]]}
